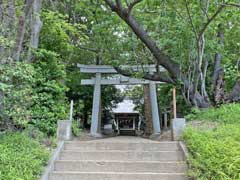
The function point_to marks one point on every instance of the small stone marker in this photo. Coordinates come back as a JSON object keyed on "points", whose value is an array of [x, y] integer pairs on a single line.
{"points": [[178, 125], [64, 131]]}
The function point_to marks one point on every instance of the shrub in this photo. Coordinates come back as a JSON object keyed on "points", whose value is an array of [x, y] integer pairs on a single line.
{"points": [[214, 154], [229, 113], [21, 158], [49, 101], [16, 92], [33, 93], [75, 129]]}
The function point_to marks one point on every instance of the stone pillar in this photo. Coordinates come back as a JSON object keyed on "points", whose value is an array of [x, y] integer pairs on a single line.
{"points": [[165, 120], [178, 125], [64, 130], [154, 108], [96, 112]]}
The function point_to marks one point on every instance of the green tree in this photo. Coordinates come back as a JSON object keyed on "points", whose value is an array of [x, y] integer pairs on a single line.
{"points": [[181, 37]]}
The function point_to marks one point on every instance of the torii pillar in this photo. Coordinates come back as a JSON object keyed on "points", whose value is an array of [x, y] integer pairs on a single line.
{"points": [[96, 108], [97, 81], [154, 109]]}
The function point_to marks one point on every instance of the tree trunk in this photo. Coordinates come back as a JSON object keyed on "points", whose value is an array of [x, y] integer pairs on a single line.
{"points": [[21, 30], [197, 99], [147, 111], [36, 26], [218, 91], [218, 72], [235, 94], [200, 69], [1, 106], [8, 17]]}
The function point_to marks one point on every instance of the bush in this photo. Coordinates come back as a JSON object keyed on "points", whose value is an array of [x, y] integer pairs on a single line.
{"points": [[76, 131], [21, 158], [33, 93], [229, 113], [49, 101], [215, 153], [16, 92]]}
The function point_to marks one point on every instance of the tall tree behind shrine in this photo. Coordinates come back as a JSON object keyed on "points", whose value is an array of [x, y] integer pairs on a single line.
{"points": [[21, 25]]}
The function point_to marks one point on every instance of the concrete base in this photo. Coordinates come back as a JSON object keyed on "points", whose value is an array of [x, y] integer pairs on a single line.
{"points": [[178, 126], [64, 130], [155, 136], [96, 135], [107, 129]]}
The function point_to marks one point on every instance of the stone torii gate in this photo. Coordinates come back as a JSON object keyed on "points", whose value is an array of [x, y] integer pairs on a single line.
{"points": [[120, 80]]}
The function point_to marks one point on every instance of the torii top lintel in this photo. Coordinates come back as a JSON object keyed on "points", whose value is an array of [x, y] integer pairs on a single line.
{"points": [[120, 80], [111, 70]]}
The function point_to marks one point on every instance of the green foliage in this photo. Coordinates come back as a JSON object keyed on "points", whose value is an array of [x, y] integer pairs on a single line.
{"points": [[33, 93], [58, 34], [229, 113], [49, 102], [40, 136], [136, 94], [75, 129], [111, 96], [16, 90], [232, 74], [214, 154], [165, 98], [21, 158], [215, 150]]}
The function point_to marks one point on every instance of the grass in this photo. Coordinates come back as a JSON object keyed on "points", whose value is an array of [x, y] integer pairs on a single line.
{"points": [[215, 152], [21, 157], [228, 114]]}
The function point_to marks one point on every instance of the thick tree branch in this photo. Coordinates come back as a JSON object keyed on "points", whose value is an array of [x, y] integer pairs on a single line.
{"points": [[119, 4], [159, 76], [89, 49], [131, 5], [232, 4], [210, 20], [161, 58], [190, 19], [111, 4]]}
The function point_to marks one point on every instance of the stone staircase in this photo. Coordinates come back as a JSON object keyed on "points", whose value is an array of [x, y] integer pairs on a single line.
{"points": [[120, 158]]}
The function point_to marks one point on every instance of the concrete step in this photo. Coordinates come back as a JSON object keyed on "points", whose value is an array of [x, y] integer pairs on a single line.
{"points": [[124, 146], [121, 166], [122, 155], [115, 176]]}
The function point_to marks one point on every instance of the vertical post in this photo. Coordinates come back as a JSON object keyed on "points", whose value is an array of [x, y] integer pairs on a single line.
{"points": [[71, 111], [165, 120], [178, 124], [134, 126], [69, 128], [174, 104], [118, 131], [96, 113], [154, 108]]}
